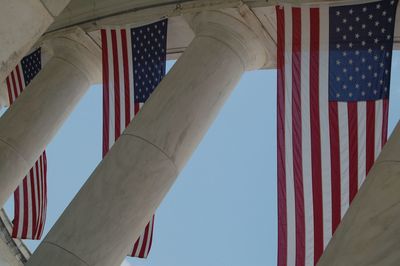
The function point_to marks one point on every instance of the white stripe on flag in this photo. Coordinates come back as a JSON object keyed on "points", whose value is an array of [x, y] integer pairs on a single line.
{"points": [[121, 80], [362, 140], [130, 71], [290, 201], [344, 156], [306, 136], [111, 97], [324, 124], [378, 127]]}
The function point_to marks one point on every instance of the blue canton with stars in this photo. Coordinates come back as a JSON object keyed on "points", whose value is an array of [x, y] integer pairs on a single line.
{"points": [[360, 44], [149, 56], [31, 65]]}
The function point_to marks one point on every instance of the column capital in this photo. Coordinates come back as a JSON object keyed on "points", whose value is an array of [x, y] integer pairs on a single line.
{"points": [[239, 29], [74, 46]]}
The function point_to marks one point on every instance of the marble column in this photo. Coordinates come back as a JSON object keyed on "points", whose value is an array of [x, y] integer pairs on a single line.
{"points": [[34, 118], [22, 22], [117, 201]]}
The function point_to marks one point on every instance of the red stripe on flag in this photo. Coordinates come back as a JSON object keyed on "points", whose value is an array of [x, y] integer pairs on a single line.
{"points": [[385, 121], [297, 137], [151, 233], [26, 211], [142, 252], [16, 213], [21, 86], [316, 135], [33, 200], [370, 130], [117, 105], [16, 93], [10, 98], [282, 211], [126, 78], [335, 164], [353, 149], [106, 107], [39, 196]]}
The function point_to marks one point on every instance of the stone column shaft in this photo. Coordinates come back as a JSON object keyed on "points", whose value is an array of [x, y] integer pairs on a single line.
{"points": [[116, 202], [22, 22], [33, 120]]}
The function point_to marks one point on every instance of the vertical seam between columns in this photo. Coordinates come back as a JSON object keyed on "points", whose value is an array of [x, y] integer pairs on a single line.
{"points": [[226, 44], [69, 252], [155, 146]]}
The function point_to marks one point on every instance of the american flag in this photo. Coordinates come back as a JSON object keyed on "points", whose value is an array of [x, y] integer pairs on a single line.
{"points": [[333, 86], [30, 198], [133, 64]]}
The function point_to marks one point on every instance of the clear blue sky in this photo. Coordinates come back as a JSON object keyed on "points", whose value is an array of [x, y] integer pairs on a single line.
{"points": [[222, 208]]}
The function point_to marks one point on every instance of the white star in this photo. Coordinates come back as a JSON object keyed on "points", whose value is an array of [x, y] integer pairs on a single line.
{"points": [[375, 74], [357, 19], [376, 23], [376, 40], [350, 94], [370, 16], [369, 50], [344, 37], [378, 6], [381, 82], [337, 29], [350, 44], [357, 35], [388, 37], [338, 78], [338, 46], [383, 30], [364, 9], [351, 11], [357, 86], [390, 19], [384, 13], [363, 26], [370, 33], [350, 62], [338, 62], [369, 84], [344, 21], [350, 28]]}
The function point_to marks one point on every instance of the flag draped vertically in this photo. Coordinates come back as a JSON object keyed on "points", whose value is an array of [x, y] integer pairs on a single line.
{"points": [[30, 198], [133, 64], [333, 70]]}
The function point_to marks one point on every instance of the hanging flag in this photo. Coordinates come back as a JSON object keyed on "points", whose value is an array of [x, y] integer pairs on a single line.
{"points": [[133, 65], [30, 198], [333, 70]]}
